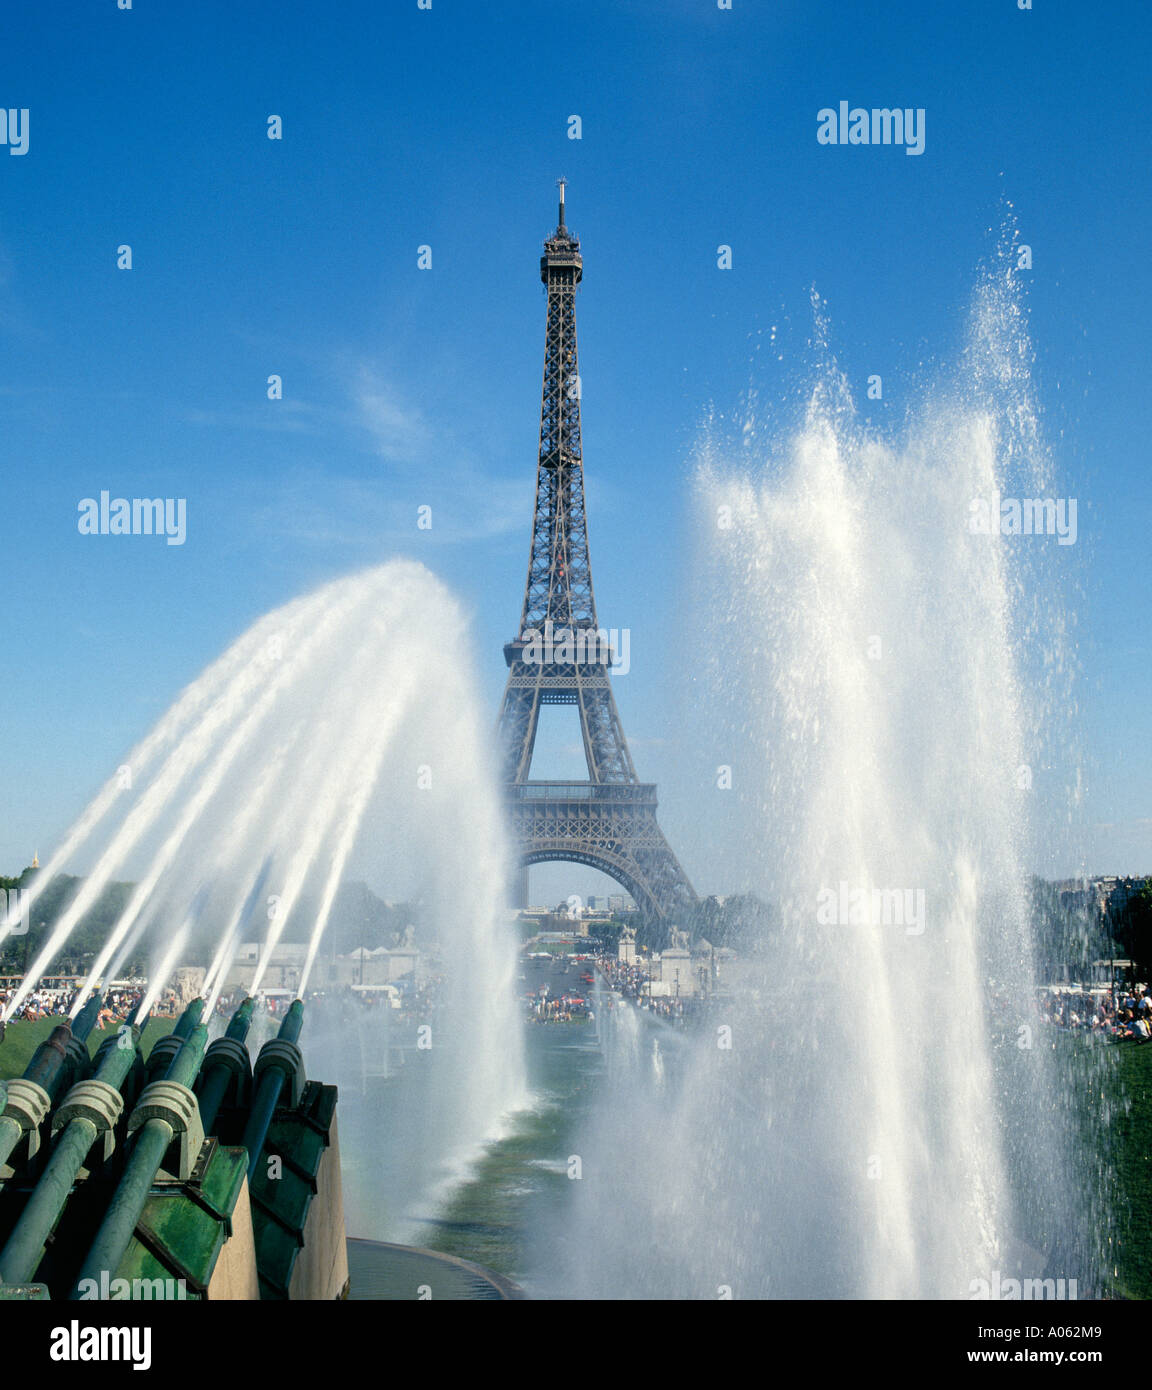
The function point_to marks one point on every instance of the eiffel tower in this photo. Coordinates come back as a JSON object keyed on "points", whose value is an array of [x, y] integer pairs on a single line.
{"points": [[562, 656]]}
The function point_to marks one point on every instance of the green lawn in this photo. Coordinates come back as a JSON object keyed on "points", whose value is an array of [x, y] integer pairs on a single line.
{"points": [[22, 1039], [1133, 1132]]}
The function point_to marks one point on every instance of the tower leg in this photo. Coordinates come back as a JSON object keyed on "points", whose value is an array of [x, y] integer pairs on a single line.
{"points": [[518, 888]]}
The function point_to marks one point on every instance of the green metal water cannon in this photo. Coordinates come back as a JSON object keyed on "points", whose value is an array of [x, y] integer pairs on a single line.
{"points": [[165, 1050], [88, 1113], [166, 1112], [133, 1080], [190, 1019], [279, 1065], [85, 1020], [59, 1060], [226, 1066]]}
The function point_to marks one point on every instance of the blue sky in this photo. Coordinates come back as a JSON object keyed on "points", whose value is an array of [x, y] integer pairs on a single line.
{"points": [[402, 387]]}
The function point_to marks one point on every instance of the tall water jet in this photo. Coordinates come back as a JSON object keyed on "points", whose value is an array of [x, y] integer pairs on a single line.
{"points": [[872, 1113]]}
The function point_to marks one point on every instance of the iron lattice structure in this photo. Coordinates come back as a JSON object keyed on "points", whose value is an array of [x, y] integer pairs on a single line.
{"points": [[562, 656]]}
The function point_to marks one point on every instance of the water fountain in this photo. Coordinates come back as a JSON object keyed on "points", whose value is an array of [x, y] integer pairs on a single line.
{"points": [[340, 728], [873, 1113]]}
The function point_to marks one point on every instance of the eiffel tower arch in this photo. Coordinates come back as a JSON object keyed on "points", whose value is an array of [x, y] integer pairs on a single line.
{"points": [[562, 657]]}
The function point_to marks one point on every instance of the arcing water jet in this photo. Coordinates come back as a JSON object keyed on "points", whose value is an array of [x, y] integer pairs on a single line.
{"points": [[268, 761]]}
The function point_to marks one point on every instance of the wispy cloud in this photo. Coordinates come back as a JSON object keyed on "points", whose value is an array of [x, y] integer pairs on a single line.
{"points": [[431, 466], [398, 429], [421, 464], [285, 416]]}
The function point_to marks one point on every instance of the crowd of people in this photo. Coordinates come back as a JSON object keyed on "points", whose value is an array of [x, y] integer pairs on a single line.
{"points": [[565, 1008], [675, 1010], [628, 980], [1124, 1013], [118, 1005], [632, 981]]}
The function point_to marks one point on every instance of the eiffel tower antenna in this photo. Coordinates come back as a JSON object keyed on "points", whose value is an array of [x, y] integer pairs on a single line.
{"points": [[561, 656]]}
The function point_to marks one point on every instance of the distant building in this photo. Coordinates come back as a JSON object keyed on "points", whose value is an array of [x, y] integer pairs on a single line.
{"points": [[363, 966], [673, 975], [284, 967]]}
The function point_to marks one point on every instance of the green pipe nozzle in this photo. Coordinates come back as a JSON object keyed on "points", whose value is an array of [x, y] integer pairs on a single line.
{"points": [[279, 1064], [55, 1064], [87, 1113], [85, 1020], [189, 1019], [165, 1050], [166, 1110], [226, 1064]]}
